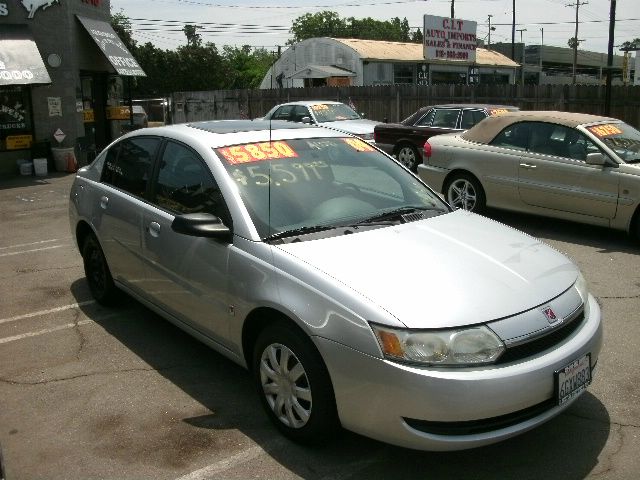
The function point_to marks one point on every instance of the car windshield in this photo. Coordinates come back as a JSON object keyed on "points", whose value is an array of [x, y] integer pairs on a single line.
{"points": [[316, 184], [333, 112], [619, 137]]}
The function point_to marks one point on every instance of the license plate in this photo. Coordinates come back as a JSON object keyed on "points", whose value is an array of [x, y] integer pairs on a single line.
{"points": [[573, 379]]}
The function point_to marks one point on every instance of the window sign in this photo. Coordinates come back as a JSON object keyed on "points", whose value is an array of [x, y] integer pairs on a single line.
{"points": [[55, 106], [15, 119]]}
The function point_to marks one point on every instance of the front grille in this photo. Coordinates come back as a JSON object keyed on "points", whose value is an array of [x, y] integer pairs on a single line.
{"points": [[480, 426], [540, 344]]}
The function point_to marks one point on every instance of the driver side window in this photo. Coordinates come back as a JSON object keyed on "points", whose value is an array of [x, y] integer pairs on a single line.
{"points": [[185, 184]]}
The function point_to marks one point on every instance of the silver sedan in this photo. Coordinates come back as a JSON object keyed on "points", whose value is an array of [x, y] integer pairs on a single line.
{"points": [[572, 166], [288, 249]]}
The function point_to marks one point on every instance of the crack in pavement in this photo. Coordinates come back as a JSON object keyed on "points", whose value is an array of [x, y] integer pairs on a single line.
{"points": [[81, 337], [623, 297], [607, 462], [8, 381], [604, 422]]}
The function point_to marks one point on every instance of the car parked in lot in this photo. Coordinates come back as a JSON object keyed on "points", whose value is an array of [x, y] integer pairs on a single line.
{"points": [[565, 165], [289, 248], [326, 113], [405, 140]]}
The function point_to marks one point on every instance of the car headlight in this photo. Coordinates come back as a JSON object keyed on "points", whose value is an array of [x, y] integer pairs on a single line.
{"points": [[455, 347], [366, 136], [582, 288]]}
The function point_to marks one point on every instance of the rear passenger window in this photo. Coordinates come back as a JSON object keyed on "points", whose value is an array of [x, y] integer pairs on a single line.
{"points": [[128, 164], [515, 136], [283, 113], [445, 118], [471, 117]]}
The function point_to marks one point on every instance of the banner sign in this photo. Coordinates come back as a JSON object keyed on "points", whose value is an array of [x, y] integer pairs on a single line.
{"points": [[449, 39]]}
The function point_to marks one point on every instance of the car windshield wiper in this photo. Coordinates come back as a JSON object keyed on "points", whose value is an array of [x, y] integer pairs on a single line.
{"points": [[394, 214], [299, 231]]}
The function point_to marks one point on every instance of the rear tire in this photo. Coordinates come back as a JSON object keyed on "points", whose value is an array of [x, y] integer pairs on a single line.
{"points": [[97, 272], [408, 156], [465, 192], [294, 385]]}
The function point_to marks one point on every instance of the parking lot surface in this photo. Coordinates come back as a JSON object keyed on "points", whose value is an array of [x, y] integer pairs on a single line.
{"points": [[94, 392]]}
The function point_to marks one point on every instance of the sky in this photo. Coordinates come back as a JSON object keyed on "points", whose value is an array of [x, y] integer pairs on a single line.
{"points": [[266, 23]]}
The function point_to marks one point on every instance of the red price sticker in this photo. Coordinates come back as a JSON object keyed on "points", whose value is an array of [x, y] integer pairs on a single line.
{"points": [[319, 106], [604, 130], [359, 145], [256, 152], [498, 111]]}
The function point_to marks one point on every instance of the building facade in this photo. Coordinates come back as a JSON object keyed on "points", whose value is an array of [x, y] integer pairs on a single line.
{"points": [[346, 62], [64, 77]]}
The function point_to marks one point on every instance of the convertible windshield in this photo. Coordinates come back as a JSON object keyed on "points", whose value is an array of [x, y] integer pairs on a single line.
{"points": [[621, 138], [333, 112], [308, 184]]}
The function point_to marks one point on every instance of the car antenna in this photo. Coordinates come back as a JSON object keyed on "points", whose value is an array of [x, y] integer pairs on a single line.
{"points": [[269, 189]]}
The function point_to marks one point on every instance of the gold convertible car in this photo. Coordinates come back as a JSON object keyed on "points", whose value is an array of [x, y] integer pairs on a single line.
{"points": [[572, 166]]}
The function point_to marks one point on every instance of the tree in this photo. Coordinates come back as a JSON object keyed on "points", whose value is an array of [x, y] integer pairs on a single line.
{"points": [[630, 45], [329, 24], [573, 42], [122, 26], [247, 68], [194, 39], [321, 24]]}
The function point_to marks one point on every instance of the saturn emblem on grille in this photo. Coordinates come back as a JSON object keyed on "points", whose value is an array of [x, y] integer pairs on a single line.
{"points": [[550, 314]]}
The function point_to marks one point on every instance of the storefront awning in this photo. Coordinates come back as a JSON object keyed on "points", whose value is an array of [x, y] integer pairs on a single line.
{"points": [[112, 47], [321, 71], [20, 60]]}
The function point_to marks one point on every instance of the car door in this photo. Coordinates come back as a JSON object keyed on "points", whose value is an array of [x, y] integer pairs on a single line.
{"points": [[189, 274], [118, 215], [553, 173], [283, 113]]}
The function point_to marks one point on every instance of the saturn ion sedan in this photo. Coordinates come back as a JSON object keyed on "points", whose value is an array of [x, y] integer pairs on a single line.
{"points": [[289, 248], [571, 166]]}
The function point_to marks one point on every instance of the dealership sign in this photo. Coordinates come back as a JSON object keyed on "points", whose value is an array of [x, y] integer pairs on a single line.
{"points": [[449, 39]]}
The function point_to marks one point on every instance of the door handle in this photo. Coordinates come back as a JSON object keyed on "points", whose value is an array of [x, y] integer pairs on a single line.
{"points": [[527, 165], [154, 229], [104, 201]]}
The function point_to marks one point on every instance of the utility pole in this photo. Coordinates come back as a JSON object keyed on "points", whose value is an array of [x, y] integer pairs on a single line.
{"points": [[490, 31], [523, 54], [576, 42], [607, 89], [513, 33], [453, 8], [541, 47]]}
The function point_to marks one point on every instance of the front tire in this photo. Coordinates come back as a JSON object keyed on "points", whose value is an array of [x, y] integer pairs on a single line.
{"points": [[465, 192], [294, 385], [97, 272], [408, 156]]}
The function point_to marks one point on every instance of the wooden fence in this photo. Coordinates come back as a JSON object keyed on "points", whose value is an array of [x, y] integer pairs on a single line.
{"points": [[395, 102]]}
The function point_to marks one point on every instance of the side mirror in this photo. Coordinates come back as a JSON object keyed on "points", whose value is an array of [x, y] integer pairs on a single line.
{"points": [[201, 225], [307, 120], [596, 159]]}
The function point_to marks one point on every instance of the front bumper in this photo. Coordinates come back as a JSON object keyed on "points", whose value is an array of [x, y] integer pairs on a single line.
{"points": [[374, 396]]}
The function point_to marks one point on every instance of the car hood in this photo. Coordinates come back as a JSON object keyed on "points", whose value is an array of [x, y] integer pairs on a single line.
{"points": [[452, 270], [357, 127]]}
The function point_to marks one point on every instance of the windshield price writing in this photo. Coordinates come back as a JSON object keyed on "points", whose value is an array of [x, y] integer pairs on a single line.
{"points": [[256, 152], [278, 174], [605, 130]]}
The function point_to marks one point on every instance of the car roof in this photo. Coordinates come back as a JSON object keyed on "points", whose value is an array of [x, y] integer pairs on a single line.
{"points": [[222, 133], [311, 102], [487, 129], [487, 106]]}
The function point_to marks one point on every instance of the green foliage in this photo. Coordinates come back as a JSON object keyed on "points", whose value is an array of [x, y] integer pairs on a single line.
{"points": [[329, 24], [193, 37], [122, 26], [246, 68], [630, 45]]}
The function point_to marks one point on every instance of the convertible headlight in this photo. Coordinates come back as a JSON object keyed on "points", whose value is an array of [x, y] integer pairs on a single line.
{"points": [[456, 347], [581, 286]]}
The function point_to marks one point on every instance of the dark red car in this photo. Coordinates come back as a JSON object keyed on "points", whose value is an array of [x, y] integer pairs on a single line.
{"points": [[405, 140]]}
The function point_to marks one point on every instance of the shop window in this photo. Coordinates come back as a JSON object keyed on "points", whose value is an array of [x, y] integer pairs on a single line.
{"points": [[16, 131], [403, 73]]}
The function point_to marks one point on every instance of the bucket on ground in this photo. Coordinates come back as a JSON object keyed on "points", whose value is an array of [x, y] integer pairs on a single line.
{"points": [[40, 166], [26, 167]]}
